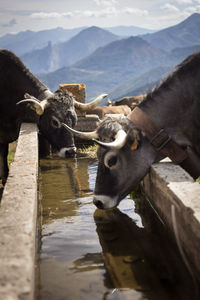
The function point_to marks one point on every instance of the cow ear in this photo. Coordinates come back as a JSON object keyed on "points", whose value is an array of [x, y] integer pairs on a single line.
{"points": [[135, 136], [134, 146], [27, 96], [38, 106]]}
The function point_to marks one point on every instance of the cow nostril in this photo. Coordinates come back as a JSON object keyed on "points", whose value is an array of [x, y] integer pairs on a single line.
{"points": [[67, 152], [98, 204]]}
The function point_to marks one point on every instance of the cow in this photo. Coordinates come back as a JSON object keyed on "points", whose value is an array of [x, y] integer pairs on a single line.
{"points": [[131, 101], [165, 123], [102, 111], [24, 98]]}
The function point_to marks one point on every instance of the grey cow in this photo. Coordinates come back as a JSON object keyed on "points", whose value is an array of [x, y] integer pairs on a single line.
{"points": [[165, 123]]}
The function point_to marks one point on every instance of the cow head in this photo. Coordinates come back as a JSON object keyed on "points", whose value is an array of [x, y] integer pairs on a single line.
{"points": [[57, 108], [124, 156]]}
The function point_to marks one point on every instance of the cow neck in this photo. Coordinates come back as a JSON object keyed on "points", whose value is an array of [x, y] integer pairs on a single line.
{"points": [[164, 144]]}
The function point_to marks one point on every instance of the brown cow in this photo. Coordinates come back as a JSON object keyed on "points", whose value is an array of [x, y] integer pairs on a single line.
{"points": [[102, 111], [131, 101]]}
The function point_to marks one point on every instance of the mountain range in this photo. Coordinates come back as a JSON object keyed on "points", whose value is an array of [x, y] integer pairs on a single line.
{"points": [[141, 83], [27, 41], [127, 66], [55, 56], [184, 34], [108, 66], [128, 30], [110, 63]]}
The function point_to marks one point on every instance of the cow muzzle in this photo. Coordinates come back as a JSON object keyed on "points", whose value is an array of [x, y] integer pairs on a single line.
{"points": [[105, 202], [67, 152]]}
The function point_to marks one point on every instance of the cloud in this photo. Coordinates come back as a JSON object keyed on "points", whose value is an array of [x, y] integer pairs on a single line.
{"points": [[51, 15], [184, 1], [15, 12], [106, 2], [170, 7], [10, 24], [108, 11], [191, 9], [135, 11]]}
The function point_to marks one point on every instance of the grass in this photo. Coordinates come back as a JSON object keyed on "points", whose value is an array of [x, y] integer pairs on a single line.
{"points": [[198, 179], [11, 153], [136, 193], [90, 148]]}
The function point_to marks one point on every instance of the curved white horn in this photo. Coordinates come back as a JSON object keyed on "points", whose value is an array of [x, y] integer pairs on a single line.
{"points": [[39, 106], [91, 105], [118, 143], [83, 135]]}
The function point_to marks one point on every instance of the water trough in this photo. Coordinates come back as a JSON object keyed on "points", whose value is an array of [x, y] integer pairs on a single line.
{"points": [[18, 216], [170, 190]]}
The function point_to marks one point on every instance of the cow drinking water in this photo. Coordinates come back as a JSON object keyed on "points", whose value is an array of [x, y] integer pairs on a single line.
{"points": [[166, 123], [48, 109]]}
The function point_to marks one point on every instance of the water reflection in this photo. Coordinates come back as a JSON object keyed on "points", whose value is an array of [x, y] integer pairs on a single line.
{"points": [[86, 253], [141, 259]]}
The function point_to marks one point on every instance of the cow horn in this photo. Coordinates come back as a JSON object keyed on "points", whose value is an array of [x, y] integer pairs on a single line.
{"points": [[39, 106], [91, 105], [83, 135], [118, 143]]}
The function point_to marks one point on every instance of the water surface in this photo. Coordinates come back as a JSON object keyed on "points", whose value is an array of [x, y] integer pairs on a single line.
{"points": [[85, 253]]}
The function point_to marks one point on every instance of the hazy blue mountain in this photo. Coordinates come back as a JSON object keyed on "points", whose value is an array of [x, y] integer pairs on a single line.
{"points": [[70, 75], [40, 60], [128, 30], [184, 34], [130, 55], [137, 82], [129, 65], [178, 54], [147, 80], [53, 57], [125, 74], [110, 65], [27, 41]]}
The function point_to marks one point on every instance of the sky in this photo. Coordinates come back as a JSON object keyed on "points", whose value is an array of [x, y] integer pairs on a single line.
{"points": [[36, 15]]}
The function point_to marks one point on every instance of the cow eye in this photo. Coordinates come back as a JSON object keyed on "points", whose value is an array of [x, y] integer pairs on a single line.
{"points": [[110, 159], [55, 122]]}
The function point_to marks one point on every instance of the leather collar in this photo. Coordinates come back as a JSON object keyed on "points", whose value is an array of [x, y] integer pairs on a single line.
{"points": [[164, 144]]}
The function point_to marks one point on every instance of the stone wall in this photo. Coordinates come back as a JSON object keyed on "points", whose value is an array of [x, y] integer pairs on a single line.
{"points": [[176, 197], [18, 216]]}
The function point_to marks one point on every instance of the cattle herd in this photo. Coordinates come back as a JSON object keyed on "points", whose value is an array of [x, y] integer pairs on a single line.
{"points": [[133, 133]]}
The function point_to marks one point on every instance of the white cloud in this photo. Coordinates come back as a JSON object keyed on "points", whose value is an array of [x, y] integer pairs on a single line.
{"points": [[191, 9], [136, 11], [108, 11], [51, 15], [106, 2], [104, 12], [170, 7], [184, 1]]}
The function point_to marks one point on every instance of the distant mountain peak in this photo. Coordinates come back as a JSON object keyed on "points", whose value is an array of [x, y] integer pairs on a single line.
{"points": [[93, 30], [55, 56], [193, 16], [183, 34]]}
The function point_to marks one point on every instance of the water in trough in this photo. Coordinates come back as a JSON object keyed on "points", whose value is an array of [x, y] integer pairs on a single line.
{"points": [[85, 253]]}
